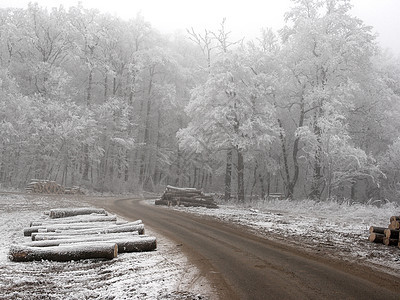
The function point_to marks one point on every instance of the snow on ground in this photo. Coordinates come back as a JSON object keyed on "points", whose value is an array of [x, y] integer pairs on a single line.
{"points": [[329, 228], [162, 274]]}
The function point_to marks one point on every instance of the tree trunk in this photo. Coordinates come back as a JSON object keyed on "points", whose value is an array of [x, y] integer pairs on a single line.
{"points": [[262, 185], [105, 250], [254, 181], [89, 88], [105, 86], [85, 175], [317, 176], [240, 176], [146, 154], [228, 175]]}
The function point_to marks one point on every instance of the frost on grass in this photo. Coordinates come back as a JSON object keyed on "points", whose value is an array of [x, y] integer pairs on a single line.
{"points": [[161, 274], [330, 228]]}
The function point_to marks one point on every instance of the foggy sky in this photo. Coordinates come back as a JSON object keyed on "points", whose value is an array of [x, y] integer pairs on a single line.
{"points": [[244, 17]]}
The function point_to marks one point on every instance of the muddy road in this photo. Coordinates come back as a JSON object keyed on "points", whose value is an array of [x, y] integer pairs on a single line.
{"points": [[244, 266]]}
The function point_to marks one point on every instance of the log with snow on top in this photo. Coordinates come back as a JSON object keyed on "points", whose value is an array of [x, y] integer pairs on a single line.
{"points": [[75, 219], [105, 237], [131, 243], [71, 226], [103, 250], [69, 212], [139, 228], [186, 197], [184, 190]]}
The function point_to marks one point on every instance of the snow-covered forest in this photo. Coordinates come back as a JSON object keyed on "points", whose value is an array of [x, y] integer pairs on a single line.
{"points": [[89, 99]]}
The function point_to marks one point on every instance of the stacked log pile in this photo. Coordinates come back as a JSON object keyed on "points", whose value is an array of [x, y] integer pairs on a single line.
{"points": [[186, 197], [81, 233], [38, 186], [388, 236]]}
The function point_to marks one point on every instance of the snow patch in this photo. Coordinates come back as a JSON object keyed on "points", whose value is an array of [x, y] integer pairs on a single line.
{"points": [[162, 274]]}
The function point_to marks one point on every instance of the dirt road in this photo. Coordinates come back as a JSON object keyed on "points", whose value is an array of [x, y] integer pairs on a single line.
{"points": [[245, 266]]}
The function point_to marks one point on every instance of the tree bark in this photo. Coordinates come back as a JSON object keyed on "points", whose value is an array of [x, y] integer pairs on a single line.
{"points": [[374, 229], [69, 212], [72, 226], [139, 228], [75, 219], [317, 176], [105, 237], [125, 243], [228, 175], [390, 242], [240, 175], [104, 250], [376, 237], [290, 183], [391, 233]]}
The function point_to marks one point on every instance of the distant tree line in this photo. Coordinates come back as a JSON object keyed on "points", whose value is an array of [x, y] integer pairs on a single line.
{"points": [[89, 99]]}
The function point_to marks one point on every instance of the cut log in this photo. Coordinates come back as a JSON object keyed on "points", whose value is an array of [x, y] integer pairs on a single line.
{"points": [[104, 250], [69, 212], [139, 228], [376, 237], [75, 219], [394, 218], [169, 195], [194, 204], [391, 233], [390, 242], [125, 243], [129, 227], [375, 229], [394, 225], [72, 226], [161, 202], [186, 196], [60, 236], [178, 189]]}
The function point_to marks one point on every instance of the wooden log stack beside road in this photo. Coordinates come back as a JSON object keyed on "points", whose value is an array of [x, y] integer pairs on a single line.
{"points": [[388, 236], [81, 233], [39, 186], [186, 197]]}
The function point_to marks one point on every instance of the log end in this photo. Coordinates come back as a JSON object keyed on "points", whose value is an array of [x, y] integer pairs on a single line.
{"points": [[376, 237], [115, 251]]}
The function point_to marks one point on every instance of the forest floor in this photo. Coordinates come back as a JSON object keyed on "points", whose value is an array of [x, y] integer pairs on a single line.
{"points": [[162, 274], [337, 230]]}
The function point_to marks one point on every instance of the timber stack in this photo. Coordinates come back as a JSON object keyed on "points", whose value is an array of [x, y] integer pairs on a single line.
{"points": [[38, 186], [388, 236], [186, 197], [80, 233]]}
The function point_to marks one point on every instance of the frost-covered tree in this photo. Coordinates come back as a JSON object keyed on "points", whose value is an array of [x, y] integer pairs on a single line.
{"points": [[326, 51], [230, 111]]}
